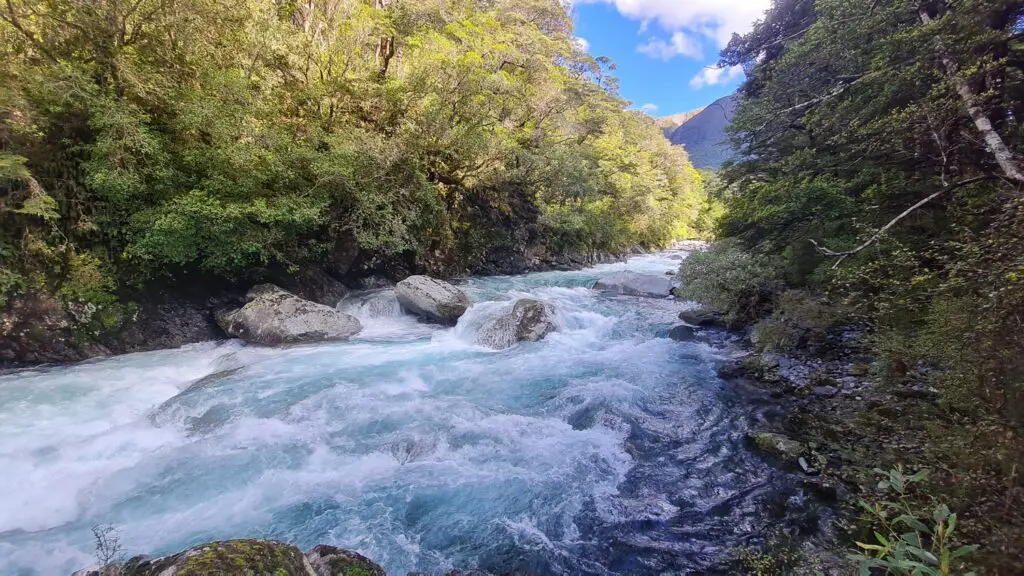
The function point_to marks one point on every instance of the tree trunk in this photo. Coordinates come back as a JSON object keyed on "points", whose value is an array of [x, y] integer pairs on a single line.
{"points": [[993, 141], [385, 52], [385, 46]]}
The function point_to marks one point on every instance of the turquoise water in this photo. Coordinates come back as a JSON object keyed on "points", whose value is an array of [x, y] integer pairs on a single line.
{"points": [[606, 448]]}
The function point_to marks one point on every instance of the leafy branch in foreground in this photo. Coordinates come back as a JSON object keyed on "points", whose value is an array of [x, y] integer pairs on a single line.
{"points": [[904, 543]]}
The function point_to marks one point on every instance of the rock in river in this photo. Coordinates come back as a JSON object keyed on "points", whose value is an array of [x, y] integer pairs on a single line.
{"points": [[276, 316], [530, 320], [634, 284], [432, 299], [254, 557], [682, 333], [701, 316]]}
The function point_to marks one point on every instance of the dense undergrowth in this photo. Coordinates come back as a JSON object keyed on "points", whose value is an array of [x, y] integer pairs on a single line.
{"points": [[148, 143], [879, 184]]}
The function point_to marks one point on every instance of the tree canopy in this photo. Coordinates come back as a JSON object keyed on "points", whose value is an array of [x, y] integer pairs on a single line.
{"points": [[147, 140]]}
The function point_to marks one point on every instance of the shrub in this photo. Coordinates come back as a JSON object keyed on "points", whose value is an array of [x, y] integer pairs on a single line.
{"points": [[730, 280]]}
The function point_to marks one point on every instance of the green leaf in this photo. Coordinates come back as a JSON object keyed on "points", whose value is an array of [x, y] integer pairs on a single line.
{"points": [[963, 551], [923, 554], [912, 523], [41, 205]]}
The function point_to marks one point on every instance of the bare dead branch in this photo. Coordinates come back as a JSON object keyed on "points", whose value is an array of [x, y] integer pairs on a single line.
{"points": [[844, 254]]}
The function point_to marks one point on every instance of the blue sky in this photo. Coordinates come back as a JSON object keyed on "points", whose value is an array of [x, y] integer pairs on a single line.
{"points": [[666, 50]]}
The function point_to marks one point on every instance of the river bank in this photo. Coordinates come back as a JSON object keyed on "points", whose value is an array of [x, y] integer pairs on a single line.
{"points": [[847, 430], [37, 328]]}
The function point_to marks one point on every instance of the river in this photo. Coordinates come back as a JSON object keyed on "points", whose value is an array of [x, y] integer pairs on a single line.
{"points": [[604, 449]]}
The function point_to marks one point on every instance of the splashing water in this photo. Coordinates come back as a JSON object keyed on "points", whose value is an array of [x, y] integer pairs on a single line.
{"points": [[604, 449]]}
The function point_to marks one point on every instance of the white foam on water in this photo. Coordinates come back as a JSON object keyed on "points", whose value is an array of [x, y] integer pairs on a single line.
{"points": [[410, 443]]}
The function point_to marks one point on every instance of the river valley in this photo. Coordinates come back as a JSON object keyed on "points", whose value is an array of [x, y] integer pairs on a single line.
{"points": [[606, 448]]}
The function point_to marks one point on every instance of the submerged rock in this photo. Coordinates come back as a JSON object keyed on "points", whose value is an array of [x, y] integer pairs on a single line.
{"points": [[432, 299], [634, 284], [529, 321], [276, 316]]}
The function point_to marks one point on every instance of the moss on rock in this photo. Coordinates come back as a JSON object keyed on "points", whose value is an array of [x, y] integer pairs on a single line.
{"points": [[229, 557], [331, 561]]}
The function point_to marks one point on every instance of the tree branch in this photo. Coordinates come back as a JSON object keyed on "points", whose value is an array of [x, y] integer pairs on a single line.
{"points": [[843, 255]]}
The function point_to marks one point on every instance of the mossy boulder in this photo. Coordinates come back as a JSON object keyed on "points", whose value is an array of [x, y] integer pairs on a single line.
{"points": [[778, 446], [229, 557], [331, 561], [251, 558]]}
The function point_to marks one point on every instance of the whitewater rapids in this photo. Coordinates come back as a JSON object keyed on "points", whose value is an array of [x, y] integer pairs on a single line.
{"points": [[604, 449]]}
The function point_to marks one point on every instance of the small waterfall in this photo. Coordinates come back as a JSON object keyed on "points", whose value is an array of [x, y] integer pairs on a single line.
{"points": [[372, 304]]}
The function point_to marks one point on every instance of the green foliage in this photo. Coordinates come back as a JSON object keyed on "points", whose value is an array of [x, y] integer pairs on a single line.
{"points": [[905, 543], [729, 279], [10, 282], [233, 141], [777, 557], [872, 128]]}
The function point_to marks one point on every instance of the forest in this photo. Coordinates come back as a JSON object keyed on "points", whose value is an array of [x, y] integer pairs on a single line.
{"points": [[879, 183], [147, 143]]}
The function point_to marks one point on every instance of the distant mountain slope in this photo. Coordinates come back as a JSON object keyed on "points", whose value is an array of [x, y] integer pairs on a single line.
{"points": [[704, 135], [670, 124]]}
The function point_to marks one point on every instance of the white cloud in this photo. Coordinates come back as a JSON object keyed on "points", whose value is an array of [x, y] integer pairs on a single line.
{"points": [[582, 43], [679, 45], [714, 20], [715, 76], [649, 108]]}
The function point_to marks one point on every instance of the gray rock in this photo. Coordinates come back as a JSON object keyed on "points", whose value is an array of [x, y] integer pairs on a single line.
{"points": [[633, 284], [432, 299], [825, 391], [701, 317], [275, 316], [530, 320], [682, 333]]}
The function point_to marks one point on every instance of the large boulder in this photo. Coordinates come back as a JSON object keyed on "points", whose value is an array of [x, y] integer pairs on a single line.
{"points": [[432, 299], [529, 321], [254, 557], [634, 284], [275, 316], [250, 557]]}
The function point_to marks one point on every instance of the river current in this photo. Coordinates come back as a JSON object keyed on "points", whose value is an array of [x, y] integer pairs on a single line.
{"points": [[606, 448]]}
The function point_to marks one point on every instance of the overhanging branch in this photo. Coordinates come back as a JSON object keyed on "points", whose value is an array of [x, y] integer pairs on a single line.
{"points": [[874, 238]]}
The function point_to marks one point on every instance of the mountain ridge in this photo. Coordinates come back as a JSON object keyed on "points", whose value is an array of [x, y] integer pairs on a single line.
{"points": [[703, 134]]}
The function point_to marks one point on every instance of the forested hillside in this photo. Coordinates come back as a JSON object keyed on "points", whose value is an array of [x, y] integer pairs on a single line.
{"points": [[881, 169], [148, 143]]}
